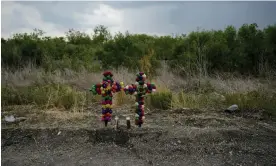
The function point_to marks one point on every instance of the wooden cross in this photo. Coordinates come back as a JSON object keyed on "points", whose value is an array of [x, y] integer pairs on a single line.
{"points": [[140, 89], [107, 88]]}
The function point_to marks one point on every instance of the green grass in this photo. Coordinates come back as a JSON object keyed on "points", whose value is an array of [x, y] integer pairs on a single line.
{"points": [[203, 96], [47, 96], [195, 101], [254, 101], [160, 100]]}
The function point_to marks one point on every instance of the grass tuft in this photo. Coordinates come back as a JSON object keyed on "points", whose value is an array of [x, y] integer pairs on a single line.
{"points": [[253, 101], [197, 101], [46, 96]]}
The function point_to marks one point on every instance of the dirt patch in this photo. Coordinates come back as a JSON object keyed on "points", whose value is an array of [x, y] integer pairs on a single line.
{"points": [[205, 138], [137, 147], [119, 137], [211, 122]]}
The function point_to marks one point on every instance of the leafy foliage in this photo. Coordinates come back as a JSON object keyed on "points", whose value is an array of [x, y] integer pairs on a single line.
{"points": [[247, 50]]}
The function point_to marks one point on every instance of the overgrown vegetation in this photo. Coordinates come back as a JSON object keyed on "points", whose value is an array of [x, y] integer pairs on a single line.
{"points": [[247, 50], [196, 74], [46, 96]]}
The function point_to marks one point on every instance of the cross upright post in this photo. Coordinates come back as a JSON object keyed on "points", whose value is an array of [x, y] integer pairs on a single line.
{"points": [[107, 88], [140, 89]]}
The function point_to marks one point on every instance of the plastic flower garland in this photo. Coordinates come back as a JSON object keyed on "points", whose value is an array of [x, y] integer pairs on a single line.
{"points": [[107, 88], [140, 89]]}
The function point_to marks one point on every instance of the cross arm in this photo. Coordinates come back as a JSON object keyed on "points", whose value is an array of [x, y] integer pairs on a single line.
{"points": [[130, 89], [145, 88], [150, 88], [96, 89], [117, 87], [101, 87]]}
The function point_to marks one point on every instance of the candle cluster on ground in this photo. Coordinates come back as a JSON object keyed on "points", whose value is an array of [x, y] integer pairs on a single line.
{"points": [[140, 89], [107, 88]]}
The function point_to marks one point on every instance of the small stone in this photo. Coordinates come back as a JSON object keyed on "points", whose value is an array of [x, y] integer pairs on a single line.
{"points": [[232, 108], [231, 153], [10, 118]]}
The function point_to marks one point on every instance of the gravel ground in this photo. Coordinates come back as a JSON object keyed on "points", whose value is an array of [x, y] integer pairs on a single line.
{"points": [[165, 139]]}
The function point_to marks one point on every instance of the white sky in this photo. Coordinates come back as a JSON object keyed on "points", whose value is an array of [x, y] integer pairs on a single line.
{"points": [[55, 18]]}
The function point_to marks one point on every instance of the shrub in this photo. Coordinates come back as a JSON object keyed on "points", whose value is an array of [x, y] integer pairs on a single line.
{"points": [[160, 100], [52, 95], [194, 101], [253, 100]]}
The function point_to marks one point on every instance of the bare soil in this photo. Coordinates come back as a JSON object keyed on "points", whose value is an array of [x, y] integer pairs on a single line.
{"points": [[166, 138]]}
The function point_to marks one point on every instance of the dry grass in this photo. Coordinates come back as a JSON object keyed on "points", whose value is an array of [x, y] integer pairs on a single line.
{"points": [[165, 80], [49, 118], [68, 90]]}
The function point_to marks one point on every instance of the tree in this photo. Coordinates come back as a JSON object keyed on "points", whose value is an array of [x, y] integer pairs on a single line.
{"points": [[247, 50]]}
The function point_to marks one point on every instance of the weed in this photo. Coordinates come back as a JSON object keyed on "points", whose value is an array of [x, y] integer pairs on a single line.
{"points": [[64, 89], [160, 100], [48, 96], [193, 101], [253, 100]]}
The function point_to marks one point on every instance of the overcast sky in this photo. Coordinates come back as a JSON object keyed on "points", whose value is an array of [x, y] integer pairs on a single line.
{"points": [[158, 18]]}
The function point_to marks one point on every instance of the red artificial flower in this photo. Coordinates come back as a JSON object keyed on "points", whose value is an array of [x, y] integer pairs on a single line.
{"points": [[106, 73]]}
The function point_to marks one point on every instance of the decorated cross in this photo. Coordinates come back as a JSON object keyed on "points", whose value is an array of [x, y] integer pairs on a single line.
{"points": [[107, 88], [140, 89]]}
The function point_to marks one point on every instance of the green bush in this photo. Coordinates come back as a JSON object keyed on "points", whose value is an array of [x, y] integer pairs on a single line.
{"points": [[160, 100], [234, 50]]}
